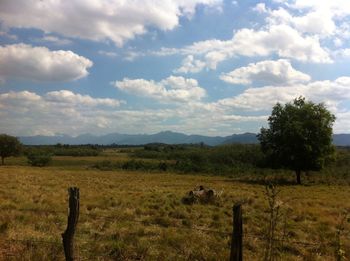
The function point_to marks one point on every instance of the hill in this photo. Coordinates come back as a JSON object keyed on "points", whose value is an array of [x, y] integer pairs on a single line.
{"points": [[167, 137]]}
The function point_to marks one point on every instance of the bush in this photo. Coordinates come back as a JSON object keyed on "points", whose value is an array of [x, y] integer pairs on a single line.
{"points": [[104, 165], [76, 151], [163, 166], [65, 150], [39, 159], [187, 165], [139, 165]]}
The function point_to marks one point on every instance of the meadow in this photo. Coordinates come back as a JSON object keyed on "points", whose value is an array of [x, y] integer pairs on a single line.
{"points": [[129, 213]]}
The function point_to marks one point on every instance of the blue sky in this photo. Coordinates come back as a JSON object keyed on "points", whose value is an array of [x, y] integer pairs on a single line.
{"points": [[199, 67]]}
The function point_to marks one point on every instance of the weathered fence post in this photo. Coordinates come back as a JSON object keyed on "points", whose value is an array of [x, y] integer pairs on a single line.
{"points": [[73, 216], [237, 234]]}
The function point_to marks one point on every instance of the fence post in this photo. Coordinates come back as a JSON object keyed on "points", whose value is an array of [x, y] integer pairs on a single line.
{"points": [[237, 234], [73, 216]]}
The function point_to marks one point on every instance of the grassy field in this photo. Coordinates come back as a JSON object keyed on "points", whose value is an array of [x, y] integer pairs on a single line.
{"points": [[134, 215]]}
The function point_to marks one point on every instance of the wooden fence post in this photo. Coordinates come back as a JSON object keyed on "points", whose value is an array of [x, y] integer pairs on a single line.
{"points": [[237, 234], [73, 216]]}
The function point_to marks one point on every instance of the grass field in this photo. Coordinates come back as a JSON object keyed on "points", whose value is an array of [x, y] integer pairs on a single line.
{"points": [[133, 215]]}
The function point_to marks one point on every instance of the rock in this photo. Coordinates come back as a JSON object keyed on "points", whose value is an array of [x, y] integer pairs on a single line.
{"points": [[200, 195]]}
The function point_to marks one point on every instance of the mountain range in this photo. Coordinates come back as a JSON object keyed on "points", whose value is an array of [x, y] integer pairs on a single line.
{"points": [[168, 137]]}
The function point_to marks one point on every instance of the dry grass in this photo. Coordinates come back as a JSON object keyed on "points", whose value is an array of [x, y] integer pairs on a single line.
{"points": [[136, 215]]}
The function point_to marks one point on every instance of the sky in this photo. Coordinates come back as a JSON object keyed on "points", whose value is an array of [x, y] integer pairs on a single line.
{"points": [[210, 67]]}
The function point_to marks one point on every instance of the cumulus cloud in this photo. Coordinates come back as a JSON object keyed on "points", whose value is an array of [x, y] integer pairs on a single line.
{"points": [[322, 19], [190, 65], [68, 97], [58, 111], [65, 98], [260, 8], [332, 93], [281, 40], [66, 112], [318, 22], [171, 89], [294, 30], [266, 72], [22, 61], [114, 20], [338, 8]]}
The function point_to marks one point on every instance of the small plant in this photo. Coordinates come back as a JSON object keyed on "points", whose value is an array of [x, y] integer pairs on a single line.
{"points": [[277, 223], [339, 251], [39, 159]]}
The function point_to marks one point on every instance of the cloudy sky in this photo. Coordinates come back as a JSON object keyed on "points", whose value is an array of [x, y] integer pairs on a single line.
{"points": [[211, 67]]}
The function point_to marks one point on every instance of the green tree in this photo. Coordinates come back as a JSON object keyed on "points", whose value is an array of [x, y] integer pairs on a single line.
{"points": [[9, 146], [299, 136], [39, 158]]}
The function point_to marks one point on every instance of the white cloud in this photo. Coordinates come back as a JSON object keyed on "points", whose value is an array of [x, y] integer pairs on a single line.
{"points": [[54, 40], [266, 72], [171, 89], [67, 112], [319, 22], [64, 98], [338, 8], [28, 113], [25, 95], [338, 42], [40, 64], [322, 19], [190, 65], [294, 31], [332, 93], [281, 40], [342, 123], [132, 55], [68, 97], [260, 8], [98, 20], [108, 54], [342, 53]]}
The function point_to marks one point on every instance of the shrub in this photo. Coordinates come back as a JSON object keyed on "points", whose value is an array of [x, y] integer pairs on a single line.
{"points": [[138, 165], [39, 159], [163, 166], [104, 165], [187, 165]]}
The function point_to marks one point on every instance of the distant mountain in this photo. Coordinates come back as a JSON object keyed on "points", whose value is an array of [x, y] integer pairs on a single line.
{"points": [[341, 139], [168, 137], [245, 138]]}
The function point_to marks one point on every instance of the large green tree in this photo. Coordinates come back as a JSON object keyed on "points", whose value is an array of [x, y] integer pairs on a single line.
{"points": [[9, 146], [299, 136]]}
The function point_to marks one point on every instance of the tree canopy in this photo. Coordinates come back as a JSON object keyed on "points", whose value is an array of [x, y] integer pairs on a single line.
{"points": [[9, 146], [299, 136]]}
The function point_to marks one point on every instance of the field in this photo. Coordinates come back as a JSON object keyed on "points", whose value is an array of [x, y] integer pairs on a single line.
{"points": [[139, 215]]}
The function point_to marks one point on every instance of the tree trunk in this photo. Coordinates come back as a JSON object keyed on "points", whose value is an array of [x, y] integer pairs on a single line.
{"points": [[298, 173]]}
